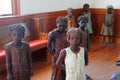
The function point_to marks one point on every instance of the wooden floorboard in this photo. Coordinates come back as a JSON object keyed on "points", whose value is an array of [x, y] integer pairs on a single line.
{"points": [[101, 65], [102, 61]]}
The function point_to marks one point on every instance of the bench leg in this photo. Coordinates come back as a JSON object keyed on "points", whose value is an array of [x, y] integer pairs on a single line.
{"points": [[40, 55]]}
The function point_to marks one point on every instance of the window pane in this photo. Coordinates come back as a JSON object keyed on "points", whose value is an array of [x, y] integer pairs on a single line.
{"points": [[5, 7]]}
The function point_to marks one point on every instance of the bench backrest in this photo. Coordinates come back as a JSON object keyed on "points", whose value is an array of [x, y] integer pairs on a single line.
{"points": [[5, 35]]}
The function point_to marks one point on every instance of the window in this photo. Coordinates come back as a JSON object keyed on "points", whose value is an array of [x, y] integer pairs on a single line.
{"points": [[9, 7]]}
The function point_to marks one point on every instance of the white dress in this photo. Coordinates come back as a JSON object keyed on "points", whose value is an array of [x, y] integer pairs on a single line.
{"points": [[75, 64], [89, 24]]}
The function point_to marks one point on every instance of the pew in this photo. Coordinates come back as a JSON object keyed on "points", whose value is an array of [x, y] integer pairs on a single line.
{"points": [[36, 44]]}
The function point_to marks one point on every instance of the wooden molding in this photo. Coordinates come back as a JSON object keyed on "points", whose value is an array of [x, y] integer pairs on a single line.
{"points": [[47, 21], [16, 7]]}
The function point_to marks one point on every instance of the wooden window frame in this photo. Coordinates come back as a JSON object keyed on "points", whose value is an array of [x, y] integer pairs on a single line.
{"points": [[15, 7]]}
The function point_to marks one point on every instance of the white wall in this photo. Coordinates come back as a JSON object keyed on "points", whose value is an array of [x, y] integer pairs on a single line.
{"points": [[102, 3], [40, 6]]}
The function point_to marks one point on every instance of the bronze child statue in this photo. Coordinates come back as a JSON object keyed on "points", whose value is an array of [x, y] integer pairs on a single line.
{"points": [[74, 57], [18, 57], [70, 18], [85, 40], [57, 41], [87, 13], [107, 26]]}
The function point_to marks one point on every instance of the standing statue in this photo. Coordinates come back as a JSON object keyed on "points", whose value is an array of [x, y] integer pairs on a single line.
{"points": [[18, 57]]}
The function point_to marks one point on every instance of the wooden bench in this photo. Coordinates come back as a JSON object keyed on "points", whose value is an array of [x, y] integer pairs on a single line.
{"points": [[34, 46], [37, 45]]}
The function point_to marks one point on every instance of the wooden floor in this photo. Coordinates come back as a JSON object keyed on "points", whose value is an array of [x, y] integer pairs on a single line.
{"points": [[102, 61]]}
